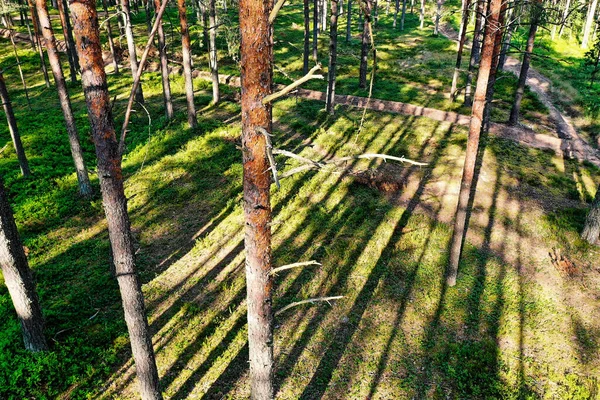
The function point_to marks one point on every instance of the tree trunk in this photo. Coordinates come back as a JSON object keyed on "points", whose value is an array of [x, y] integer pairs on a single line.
{"points": [[306, 54], [516, 107], [24, 83], [203, 8], [366, 42], [85, 188], [324, 15], [19, 279], [491, 30], [113, 196], [315, 30], [133, 62], [36, 30], [587, 30], [564, 18], [257, 77], [591, 229], [148, 11], [214, 67], [473, 59], [348, 21], [164, 67], [422, 15], [69, 42], [187, 63], [507, 39], [494, 70], [438, 16], [332, 56], [402, 19], [396, 10], [461, 44], [111, 43], [12, 127]]}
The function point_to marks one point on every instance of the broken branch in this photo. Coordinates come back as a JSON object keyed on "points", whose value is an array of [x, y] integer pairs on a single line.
{"points": [[269, 148], [311, 75], [314, 300], [275, 10], [274, 271]]}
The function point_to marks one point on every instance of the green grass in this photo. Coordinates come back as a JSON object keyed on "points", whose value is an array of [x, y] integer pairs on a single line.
{"points": [[513, 327]]}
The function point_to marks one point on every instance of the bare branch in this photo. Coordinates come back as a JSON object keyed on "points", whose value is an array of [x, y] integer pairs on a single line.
{"points": [[311, 75], [374, 155], [269, 150], [274, 271], [136, 80], [298, 157], [314, 300], [275, 10]]}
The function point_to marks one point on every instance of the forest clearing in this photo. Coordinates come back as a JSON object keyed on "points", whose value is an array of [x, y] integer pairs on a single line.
{"points": [[282, 207]]}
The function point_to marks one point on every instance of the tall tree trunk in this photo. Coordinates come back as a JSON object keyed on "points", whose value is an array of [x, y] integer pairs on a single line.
{"points": [[366, 42], [36, 30], [148, 11], [491, 30], [315, 31], [214, 66], [114, 201], [587, 30], [564, 17], [306, 54], [187, 63], [12, 127], [474, 57], [164, 67], [203, 10], [494, 70], [374, 13], [332, 56], [11, 35], [422, 15], [85, 188], [591, 229], [257, 77], [507, 38], [111, 43], [403, 18], [133, 62], [69, 42], [438, 16], [461, 44], [19, 279], [324, 15], [349, 21], [396, 10], [516, 107]]}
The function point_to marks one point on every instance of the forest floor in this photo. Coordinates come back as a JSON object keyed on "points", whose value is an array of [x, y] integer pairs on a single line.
{"points": [[516, 325]]}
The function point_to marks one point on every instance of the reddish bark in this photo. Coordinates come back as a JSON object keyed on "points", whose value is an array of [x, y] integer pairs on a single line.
{"points": [[474, 57], [475, 127], [257, 78], [95, 88]]}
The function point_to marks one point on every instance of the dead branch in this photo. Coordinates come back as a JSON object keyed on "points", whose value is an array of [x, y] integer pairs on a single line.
{"points": [[274, 271], [269, 150], [298, 157], [136, 80], [275, 10], [374, 155], [314, 300], [311, 75]]}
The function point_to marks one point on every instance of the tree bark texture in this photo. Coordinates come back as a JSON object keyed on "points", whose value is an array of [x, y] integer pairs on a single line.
{"points": [[474, 57], [12, 127], [257, 77], [333, 22], [422, 15], [494, 70], [187, 63], [133, 62], [366, 43], [461, 44], [85, 188], [164, 67], [491, 30], [516, 107], [591, 229], [214, 66], [95, 88], [19, 279], [438, 16]]}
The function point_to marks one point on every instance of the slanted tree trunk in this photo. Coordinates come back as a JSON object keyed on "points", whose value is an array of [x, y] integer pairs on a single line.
{"points": [[85, 188], [114, 201], [507, 39], [474, 57], [348, 21], [214, 67], [315, 30], [133, 62], [11, 35], [516, 107], [257, 77], [148, 10], [332, 56], [565, 15], [306, 54], [591, 228], [111, 43], [12, 127], [187, 63], [461, 44], [589, 22], [19, 279], [491, 30], [36, 30], [164, 67], [70, 44], [366, 42]]}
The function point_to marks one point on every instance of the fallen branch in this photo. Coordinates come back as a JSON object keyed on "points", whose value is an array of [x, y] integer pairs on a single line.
{"points": [[315, 300], [136, 80], [374, 155], [274, 271], [269, 150], [311, 75]]}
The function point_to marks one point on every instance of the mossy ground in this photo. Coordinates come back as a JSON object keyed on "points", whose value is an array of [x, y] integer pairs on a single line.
{"points": [[513, 327]]}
